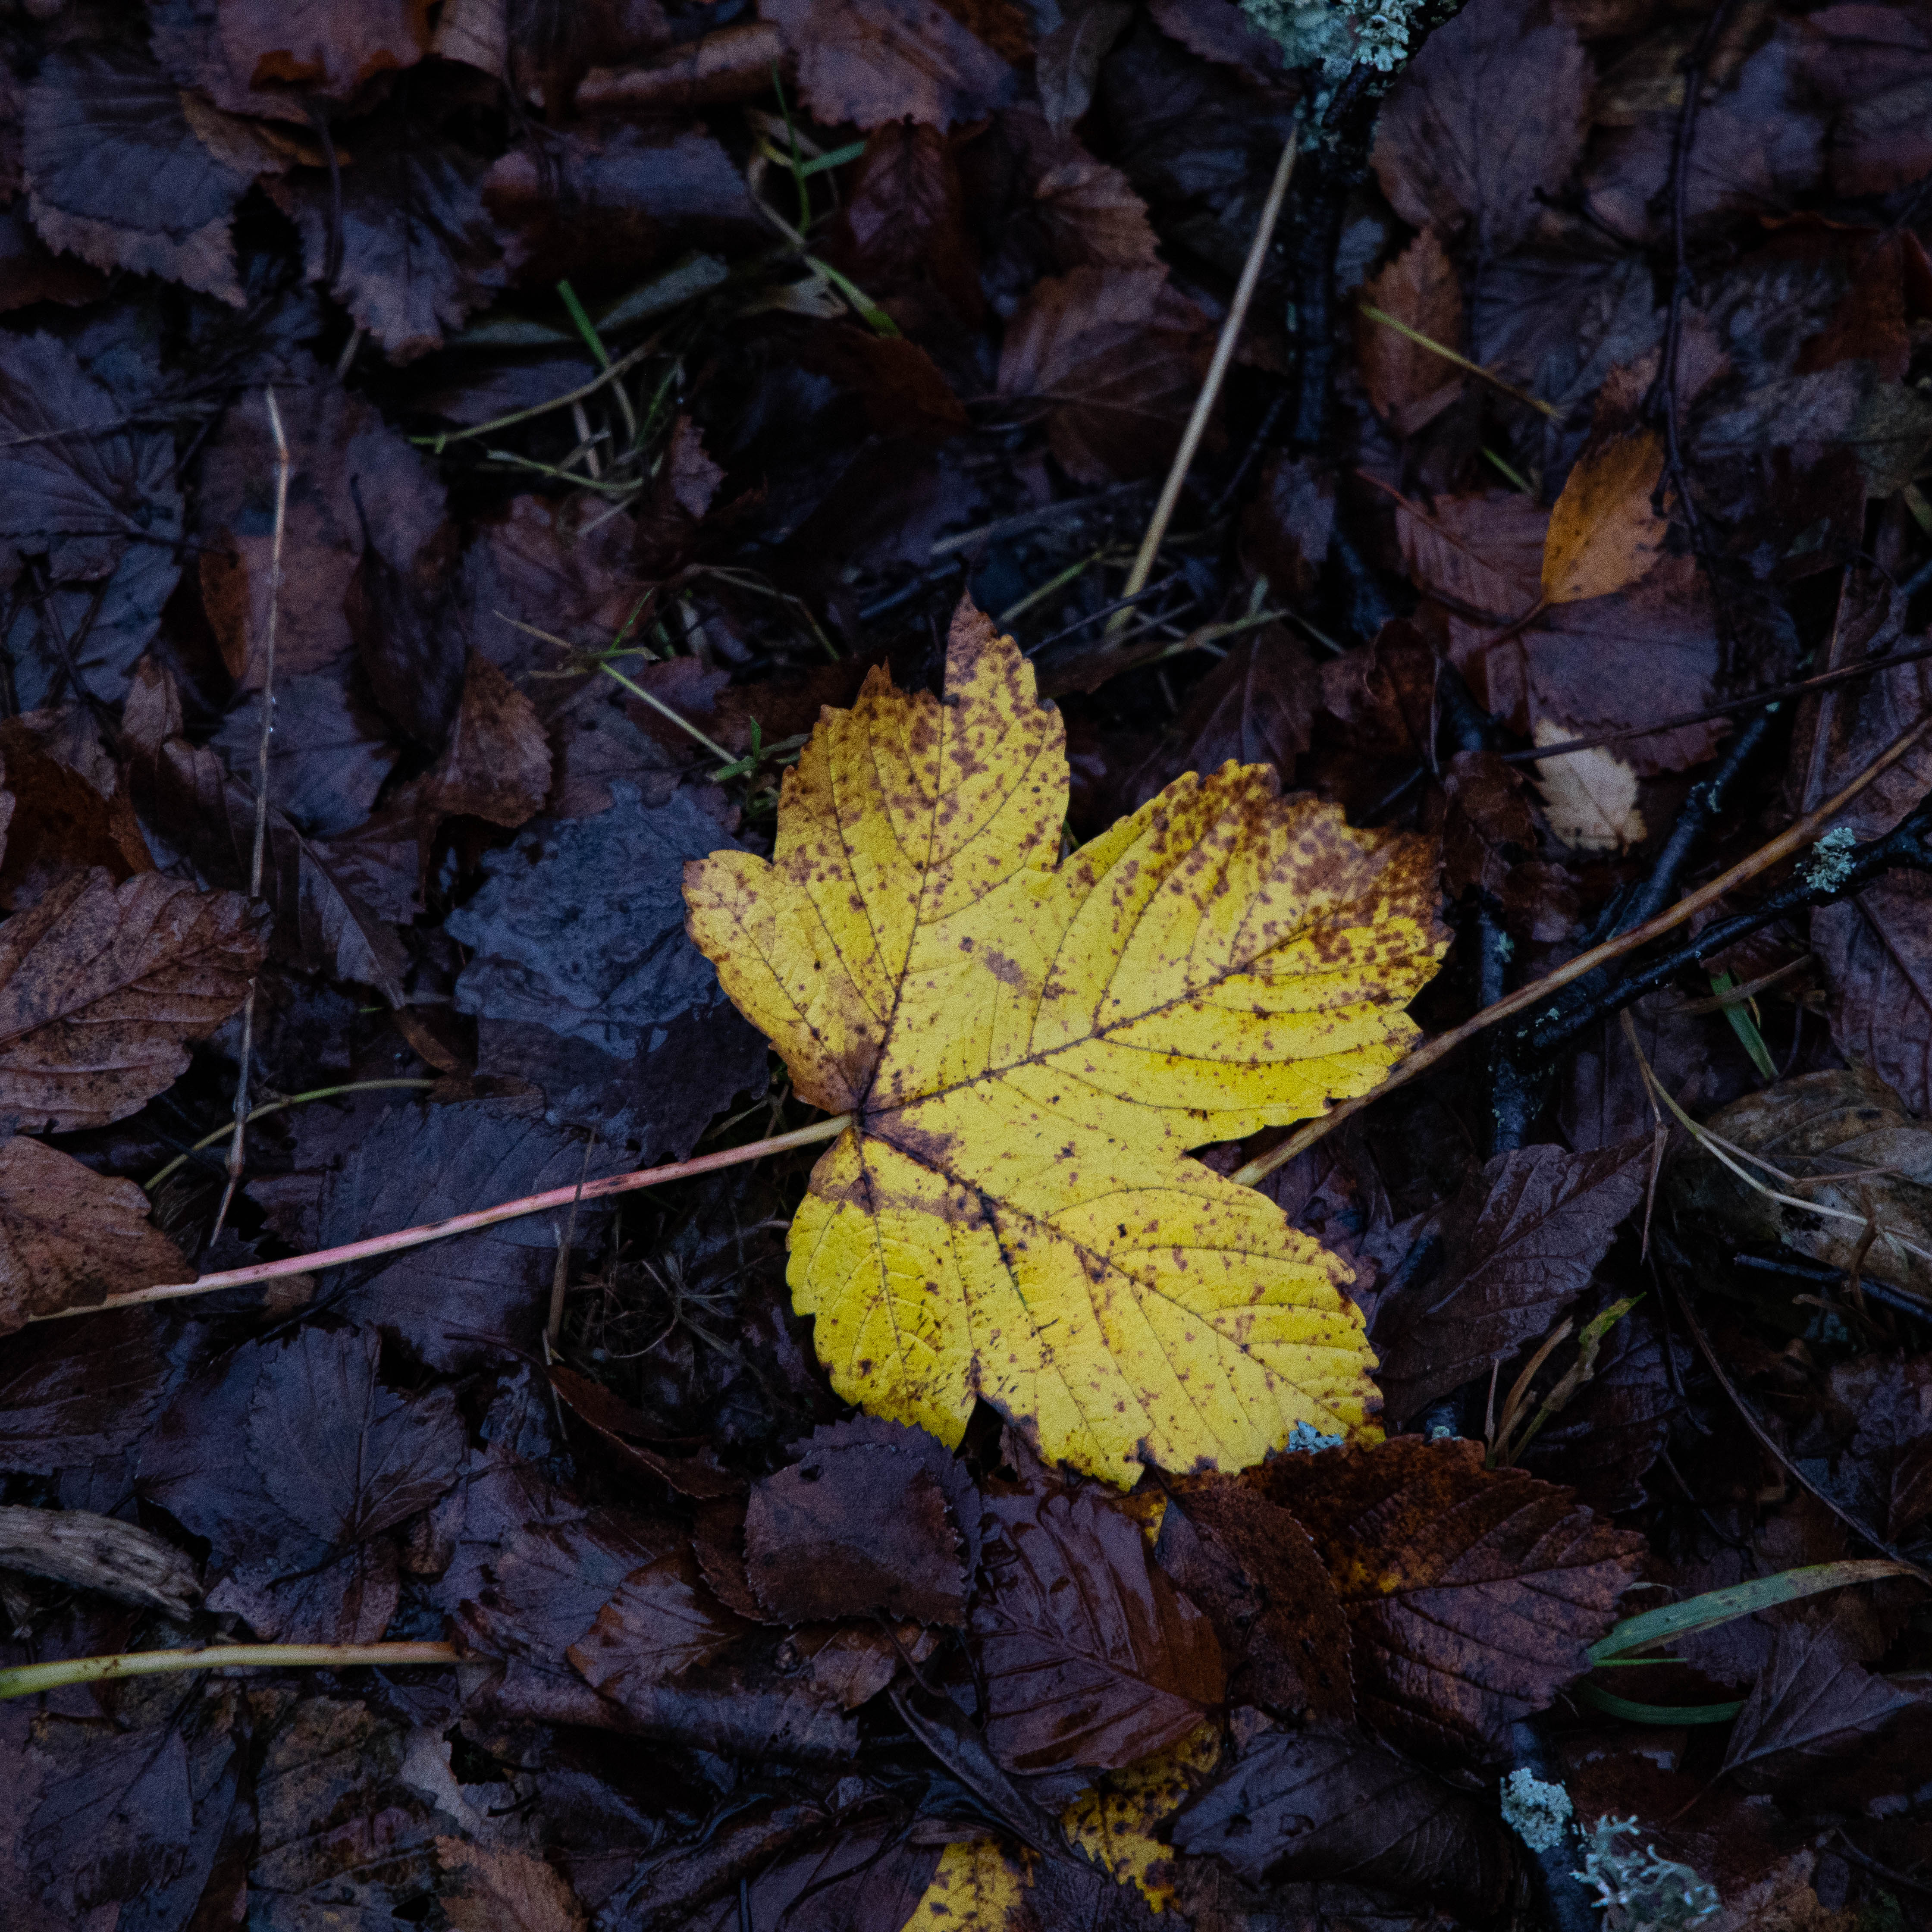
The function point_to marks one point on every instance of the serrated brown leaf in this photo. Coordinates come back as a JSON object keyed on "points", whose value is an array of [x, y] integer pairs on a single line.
{"points": [[102, 987], [1491, 113], [1323, 1804], [1408, 384], [69, 1236], [1113, 357], [1251, 1567], [1472, 1593], [1089, 1654], [1813, 1701], [1521, 1238], [872, 61]]}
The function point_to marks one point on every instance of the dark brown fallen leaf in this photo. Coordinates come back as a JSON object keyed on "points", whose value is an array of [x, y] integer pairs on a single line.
{"points": [[1489, 117], [1471, 1594], [1251, 1567], [1090, 1656], [1113, 359], [1323, 1804], [1408, 384], [504, 1891], [1521, 1239], [1604, 1444], [120, 177], [497, 763], [1887, 1466], [329, 756], [263, 57], [103, 986], [319, 920], [865, 1521], [661, 1621], [66, 807], [1813, 1701], [1067, 63]]}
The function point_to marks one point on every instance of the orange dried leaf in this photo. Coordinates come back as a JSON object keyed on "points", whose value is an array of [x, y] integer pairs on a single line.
{"points": [[1604, 534]]}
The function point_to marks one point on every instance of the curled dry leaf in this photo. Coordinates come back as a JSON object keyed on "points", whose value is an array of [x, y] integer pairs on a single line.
{"points": [[102, 986], [1472, 1593], [1028, 1049]]}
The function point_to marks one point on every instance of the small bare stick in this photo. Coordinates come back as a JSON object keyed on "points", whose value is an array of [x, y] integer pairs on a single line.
{"points": [[237, 1147], [464, 1224], [1794, 837], [26, 1680], [1217, 370]]}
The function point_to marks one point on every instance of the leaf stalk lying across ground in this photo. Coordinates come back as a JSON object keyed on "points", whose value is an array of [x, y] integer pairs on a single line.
{"points": [[27, 1680]]}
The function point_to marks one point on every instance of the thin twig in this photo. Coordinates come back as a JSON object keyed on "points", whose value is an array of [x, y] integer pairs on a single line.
{"points": [[1803, 832], [238, 1146], [26, 1680], [155, 1180], [1210, 390], [1435, 348], [463, 1224]]}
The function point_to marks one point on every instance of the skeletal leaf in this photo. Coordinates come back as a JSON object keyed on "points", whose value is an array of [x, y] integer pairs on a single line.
{"points": [[1028, 1049]]}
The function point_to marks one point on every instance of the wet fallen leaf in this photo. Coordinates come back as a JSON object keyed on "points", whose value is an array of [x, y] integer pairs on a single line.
{"points": [[1472, 1593], [1602, 532], [1589, 796], [1027, 1073]]}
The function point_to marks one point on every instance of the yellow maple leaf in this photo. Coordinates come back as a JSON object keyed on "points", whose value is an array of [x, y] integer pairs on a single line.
{"points": [[1027, 1049]]}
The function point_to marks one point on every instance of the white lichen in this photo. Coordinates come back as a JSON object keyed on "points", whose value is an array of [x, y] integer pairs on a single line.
{"points": [[1305, 1435], [1646, 1891], [1374, 34], [1830, 864], [1539, 1811]]}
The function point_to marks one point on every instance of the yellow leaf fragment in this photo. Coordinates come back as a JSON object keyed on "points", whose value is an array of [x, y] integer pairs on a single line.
{"points": [[1029, 1048], [977, 1888], [1603, 534], [1114, 1823], [983, 1886]]}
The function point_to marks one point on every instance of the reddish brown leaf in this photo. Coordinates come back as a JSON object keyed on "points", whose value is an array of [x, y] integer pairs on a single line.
{"points": [[1286, 531], [729, 63], [901, 388], [1487, 825], [1521, 1241], [66, 808], [504, 1891], [871, 62], [102, 987], [1407, 383], [1089, 1655], [1886, 1477], [1251, 1567], [603, 204], [1603, 533], [69, 1236], [902, 234], [1489, 116], [1472, 1594], [1114, 357], [497, 763], [866, 1521], [1322, 1805], [662, 1621]]}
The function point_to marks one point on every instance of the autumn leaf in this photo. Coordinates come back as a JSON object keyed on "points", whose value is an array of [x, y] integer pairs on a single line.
{"points": [[1604, 534], [1028, 1049]]}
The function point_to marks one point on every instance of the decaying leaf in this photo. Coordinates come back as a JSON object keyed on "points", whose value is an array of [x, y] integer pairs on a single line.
{"points": [[1028, 1050]]}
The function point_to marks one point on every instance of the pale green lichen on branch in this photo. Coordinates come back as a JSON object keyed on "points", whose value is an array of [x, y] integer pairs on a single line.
{"points": [[1337, 37]]}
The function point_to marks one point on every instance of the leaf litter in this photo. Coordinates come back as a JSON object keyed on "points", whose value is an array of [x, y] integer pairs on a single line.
{"points": [[1010, 1517]]}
